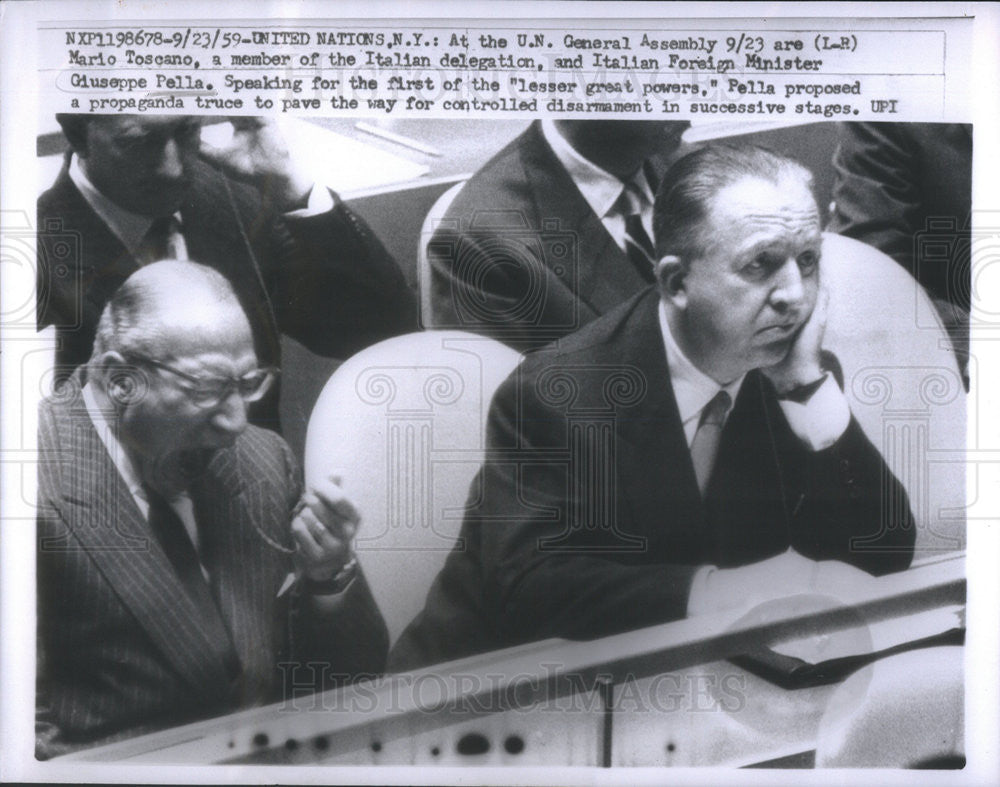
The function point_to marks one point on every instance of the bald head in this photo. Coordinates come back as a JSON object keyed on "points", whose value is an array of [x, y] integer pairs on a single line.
{"points": [[169, 307], [174, 358]]}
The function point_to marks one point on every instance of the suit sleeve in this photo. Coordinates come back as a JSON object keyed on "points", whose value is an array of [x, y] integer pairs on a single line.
{"points": [[49, 737], [349, 641], [546, 573], [334, 286], [493, 283], [551, 574], [340, 642], [876, 193], [847, 504]]}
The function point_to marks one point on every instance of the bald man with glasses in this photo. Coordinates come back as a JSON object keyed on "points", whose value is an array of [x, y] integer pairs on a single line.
{"points": [[182, 571]]}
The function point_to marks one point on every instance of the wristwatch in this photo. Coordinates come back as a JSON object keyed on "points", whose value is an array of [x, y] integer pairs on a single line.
{"points": [[337, 583], [801, 394]]}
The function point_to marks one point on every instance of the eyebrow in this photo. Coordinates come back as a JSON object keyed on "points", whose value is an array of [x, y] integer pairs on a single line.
{"points": [[765, 244], [784, 219]]}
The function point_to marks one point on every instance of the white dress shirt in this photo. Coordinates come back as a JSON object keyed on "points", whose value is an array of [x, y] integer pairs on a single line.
{"points": [[818, 423], [131, 228], [600, 189]]}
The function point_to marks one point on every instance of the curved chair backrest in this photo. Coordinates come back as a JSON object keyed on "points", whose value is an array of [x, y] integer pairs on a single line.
{"points": [[434, 216], [902, 382], [403, 423]]}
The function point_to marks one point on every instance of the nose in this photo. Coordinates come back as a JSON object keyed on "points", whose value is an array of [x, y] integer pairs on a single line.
{"points": [[789, 291], [230, 416], [171, 165]]}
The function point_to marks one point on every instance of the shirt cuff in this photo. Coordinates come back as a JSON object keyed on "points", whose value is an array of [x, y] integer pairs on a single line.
{"points": [[342, 580], [821, 420], [698, 596], [320, 201]]}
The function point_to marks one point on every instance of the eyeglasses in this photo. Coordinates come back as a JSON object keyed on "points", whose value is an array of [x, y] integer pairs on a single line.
{"points": [[208, 392]]}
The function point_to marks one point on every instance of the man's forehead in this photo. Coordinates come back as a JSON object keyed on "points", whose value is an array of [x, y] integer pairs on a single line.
{"points": [[216, 360], [144, 124], [188, 317], [209, 347], [786, 203]]}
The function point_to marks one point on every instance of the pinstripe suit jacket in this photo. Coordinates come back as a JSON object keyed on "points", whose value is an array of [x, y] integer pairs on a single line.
{"points": [[122, 648]]}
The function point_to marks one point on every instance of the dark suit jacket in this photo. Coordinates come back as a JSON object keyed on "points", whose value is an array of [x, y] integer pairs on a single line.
{"points": [[123, 649], [324, 280], [586, 519], [520, 255], [894, 177]]}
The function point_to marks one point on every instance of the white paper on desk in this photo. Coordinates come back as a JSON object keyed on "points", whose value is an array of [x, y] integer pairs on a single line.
{"points": [[335, 161]]}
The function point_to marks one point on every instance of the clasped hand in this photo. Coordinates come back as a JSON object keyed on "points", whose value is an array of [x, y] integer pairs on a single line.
{"points": [[324, 530]]}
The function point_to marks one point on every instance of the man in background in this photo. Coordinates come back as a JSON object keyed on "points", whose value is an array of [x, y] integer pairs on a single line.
{"points": [[139, 188], [552, 232], [182, 573], [906, 189]]}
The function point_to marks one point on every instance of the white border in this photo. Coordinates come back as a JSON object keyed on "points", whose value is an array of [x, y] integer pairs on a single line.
{"points": [[17, 137]]}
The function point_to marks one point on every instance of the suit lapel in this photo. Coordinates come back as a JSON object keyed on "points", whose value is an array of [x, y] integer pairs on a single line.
{"points": [[605, 277], [656, 475], [246, 571], [103, 263], [108, 525], [745, 514], [211, 229], [747, 510]]}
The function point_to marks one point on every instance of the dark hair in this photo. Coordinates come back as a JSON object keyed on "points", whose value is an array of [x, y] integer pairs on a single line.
{"points": [[74, 127], [687, 189]]}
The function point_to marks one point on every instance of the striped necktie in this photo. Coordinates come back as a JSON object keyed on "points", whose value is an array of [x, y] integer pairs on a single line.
{"points": [[706, 439], [638, 246]]}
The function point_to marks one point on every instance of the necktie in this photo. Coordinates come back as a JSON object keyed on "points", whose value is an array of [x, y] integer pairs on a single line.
{"points": [[162, 241], [637, 243], [706, 439], [173, 537], [169, 530]]}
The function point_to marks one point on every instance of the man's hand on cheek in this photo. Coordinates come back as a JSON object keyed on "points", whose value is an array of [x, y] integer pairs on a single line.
{"points": [[802, 365]]}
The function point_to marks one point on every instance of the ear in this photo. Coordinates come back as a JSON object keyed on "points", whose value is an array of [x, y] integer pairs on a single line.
{"points": [[122, 381], [670, 275], [75, 129]]}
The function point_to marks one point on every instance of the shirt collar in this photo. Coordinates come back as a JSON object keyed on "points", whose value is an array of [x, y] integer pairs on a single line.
{"points": [[693, 389], [600, 189], [122, 462], [130, 228]]}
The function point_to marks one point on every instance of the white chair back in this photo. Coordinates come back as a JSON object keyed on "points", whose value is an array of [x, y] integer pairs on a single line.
{"points": [[434, 216], [403, 422], [902, 382]]}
